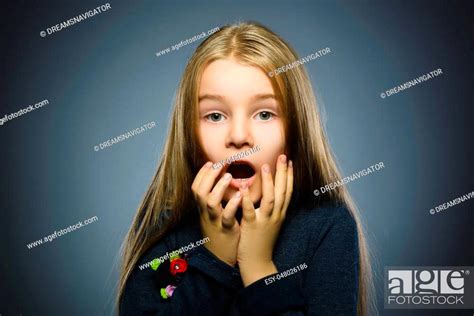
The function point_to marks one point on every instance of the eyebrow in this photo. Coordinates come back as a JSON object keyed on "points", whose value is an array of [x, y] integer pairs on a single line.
{"points": [[256, 97]]}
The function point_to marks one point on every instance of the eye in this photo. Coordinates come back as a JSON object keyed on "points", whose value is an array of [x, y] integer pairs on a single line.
{"points": [[214, 117], [265, 115]]}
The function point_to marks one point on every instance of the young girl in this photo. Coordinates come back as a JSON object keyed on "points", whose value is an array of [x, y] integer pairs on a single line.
{"points": [[247, 237]]}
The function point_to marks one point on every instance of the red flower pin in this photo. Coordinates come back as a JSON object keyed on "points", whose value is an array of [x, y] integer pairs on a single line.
{"points": [[178, 266]]}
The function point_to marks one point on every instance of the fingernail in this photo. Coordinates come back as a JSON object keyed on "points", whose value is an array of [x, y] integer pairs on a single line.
{"points": [[208, 164], [227, 176], [283, 159], [266, 168], [291, 164], [238, 195]]}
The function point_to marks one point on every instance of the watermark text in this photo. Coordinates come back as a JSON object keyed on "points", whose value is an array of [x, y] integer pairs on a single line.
{"points": [[299, 62], [285, 273], [83, 16], [28, 109], [353, 177], [124, 136], [62, 232], [412, 83]]}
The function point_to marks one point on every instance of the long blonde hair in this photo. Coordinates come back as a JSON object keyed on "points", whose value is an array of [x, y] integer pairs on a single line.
{"points": [[314, 164]]}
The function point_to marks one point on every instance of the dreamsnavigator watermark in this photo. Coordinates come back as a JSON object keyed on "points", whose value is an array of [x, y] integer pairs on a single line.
{"points": [[451, 203], [412, 83], [83, 16], [299, 62], [124, 136], [352, 177]]}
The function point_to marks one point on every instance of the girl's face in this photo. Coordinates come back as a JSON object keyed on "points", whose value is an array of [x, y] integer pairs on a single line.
{"points": [[238, 110]]}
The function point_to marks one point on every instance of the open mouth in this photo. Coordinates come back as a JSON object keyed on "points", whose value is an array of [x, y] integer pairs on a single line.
{"points": [[241, 170]]}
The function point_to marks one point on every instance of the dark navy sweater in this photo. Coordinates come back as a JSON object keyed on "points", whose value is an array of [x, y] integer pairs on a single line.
{"points": [[323, 238]]}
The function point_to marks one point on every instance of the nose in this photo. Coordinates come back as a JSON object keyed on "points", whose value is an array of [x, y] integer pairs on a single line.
{"points": [[239, 133]]}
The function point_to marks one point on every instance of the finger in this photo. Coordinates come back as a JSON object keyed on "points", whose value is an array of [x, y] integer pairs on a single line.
{"points": [[195, 186], [248, 211], [280, 184], [289, 189], [200, 175], [228, 215], [214, 199], [268, 191], [207, 181]]}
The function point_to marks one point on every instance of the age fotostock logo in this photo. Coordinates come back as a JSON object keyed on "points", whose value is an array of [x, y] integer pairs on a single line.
{"points": [[429, 287]]}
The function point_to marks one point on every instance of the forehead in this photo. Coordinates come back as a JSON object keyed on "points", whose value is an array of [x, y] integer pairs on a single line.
{"points": [[232, 79]]}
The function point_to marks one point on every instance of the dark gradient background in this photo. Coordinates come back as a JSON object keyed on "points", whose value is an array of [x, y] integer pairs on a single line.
{"points": [[102, 78]]}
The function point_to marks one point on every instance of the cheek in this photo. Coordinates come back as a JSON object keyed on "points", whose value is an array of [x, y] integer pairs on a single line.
{"points": [[209, 140], [272, 141]]}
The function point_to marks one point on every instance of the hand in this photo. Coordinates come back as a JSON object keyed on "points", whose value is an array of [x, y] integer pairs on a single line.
{"points": [[259, 228], [217, 223]]}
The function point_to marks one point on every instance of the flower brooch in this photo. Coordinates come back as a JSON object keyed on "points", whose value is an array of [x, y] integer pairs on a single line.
{"points": [[168, 273]]}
